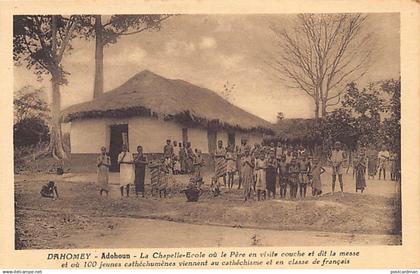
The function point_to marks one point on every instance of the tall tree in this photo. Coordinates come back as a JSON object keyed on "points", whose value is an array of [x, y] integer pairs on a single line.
{"points": [[40, 41], [109, 31], [320, 54]]}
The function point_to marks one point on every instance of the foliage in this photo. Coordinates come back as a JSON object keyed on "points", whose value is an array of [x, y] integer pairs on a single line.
{"points": [[370, 115], [31, 117], [367, 106], [35, 44], [30, 131], [120, 25], [28, 103], [392, 125]]}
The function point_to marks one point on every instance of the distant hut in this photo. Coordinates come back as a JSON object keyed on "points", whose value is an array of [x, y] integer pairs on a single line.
{"points": [[149, 109]]}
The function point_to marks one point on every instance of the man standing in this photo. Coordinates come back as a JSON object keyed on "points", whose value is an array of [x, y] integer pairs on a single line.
{"points": [[337, 159]]}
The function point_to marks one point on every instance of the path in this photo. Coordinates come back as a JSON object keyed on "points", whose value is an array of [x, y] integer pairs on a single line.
{"points": [[146, 233]]}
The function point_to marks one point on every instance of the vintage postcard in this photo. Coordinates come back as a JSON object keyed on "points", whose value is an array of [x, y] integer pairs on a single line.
{"points": [[202, 134]]}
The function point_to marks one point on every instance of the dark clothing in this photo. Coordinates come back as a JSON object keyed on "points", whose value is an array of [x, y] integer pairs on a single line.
{"points": [[271, 174], [140, 163], [168, 151], [360, 167], [48, 191]]}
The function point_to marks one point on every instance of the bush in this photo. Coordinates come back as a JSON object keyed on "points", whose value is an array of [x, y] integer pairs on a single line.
{"points": [[30, 132]]}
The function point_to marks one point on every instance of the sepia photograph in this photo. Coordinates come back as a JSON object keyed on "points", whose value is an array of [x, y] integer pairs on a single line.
{"points": [[206, 130]]}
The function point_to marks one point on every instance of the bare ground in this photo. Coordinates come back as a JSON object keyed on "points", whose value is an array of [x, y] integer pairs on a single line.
{"points": [[82, 218]]}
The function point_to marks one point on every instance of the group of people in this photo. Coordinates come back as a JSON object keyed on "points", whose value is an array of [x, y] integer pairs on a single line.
{"points": [[132, 171], [182, 158], [259, 168], [177, 159], [379, 162]]}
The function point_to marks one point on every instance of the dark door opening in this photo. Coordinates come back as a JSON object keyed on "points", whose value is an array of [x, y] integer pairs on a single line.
{"points": [[118, 137], [231, 139], [211, 138]]}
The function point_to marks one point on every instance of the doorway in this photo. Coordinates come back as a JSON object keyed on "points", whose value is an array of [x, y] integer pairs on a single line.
{"points": [[212, 140], [231, 139], [118, 137]]}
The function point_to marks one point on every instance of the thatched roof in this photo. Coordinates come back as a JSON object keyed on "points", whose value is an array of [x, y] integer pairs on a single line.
{"points": [[149, 94]]}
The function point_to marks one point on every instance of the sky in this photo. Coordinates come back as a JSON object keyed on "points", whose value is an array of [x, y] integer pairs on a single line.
{"points": [[209, 50]]}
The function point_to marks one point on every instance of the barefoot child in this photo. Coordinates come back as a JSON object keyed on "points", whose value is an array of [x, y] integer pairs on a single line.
{"points": [[294, 171], [49, 190], [305, 169], [283, 173], [103, 164]]}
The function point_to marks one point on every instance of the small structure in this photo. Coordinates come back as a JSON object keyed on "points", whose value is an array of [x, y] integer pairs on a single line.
{"points": [[149, 109]]}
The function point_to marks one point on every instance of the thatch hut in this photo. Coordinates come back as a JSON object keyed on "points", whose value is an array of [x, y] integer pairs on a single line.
{"points": [[149, 109]]}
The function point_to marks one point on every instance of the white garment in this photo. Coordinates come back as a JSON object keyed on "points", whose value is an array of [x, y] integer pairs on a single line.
{"points": [[126, 170]]}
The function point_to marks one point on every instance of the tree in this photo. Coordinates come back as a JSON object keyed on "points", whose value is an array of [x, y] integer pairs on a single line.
{"points": [[109, 32], [392, 124], [31, 117], [320, 54], [28, 103], [40, 41], [30, 131], [367, 106]]}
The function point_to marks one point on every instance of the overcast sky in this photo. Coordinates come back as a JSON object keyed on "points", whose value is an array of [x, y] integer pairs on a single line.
{"points": [[208, 50]]}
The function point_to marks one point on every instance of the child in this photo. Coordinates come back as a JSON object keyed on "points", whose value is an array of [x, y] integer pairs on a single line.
{"points": [[230, 165], [103, 164], [316, 172], [177, 166], [49, 190], [294, 171], [261, 184], [215, 186], [283, 172], [305, 168]]}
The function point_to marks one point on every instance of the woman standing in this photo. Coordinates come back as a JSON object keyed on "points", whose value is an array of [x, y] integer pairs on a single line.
{"points": [[247, 168], [140, 163], [360, 168], [271, 174], [125, 159], [103, 163], [220, 162]]}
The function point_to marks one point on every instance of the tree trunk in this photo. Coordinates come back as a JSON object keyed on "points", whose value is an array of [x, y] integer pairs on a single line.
{"points": [[56, 143], [98, 88], [316, 115], [324, 108]]}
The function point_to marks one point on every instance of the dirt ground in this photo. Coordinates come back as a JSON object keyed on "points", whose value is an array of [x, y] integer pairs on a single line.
{"points": [[81, 218]]}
